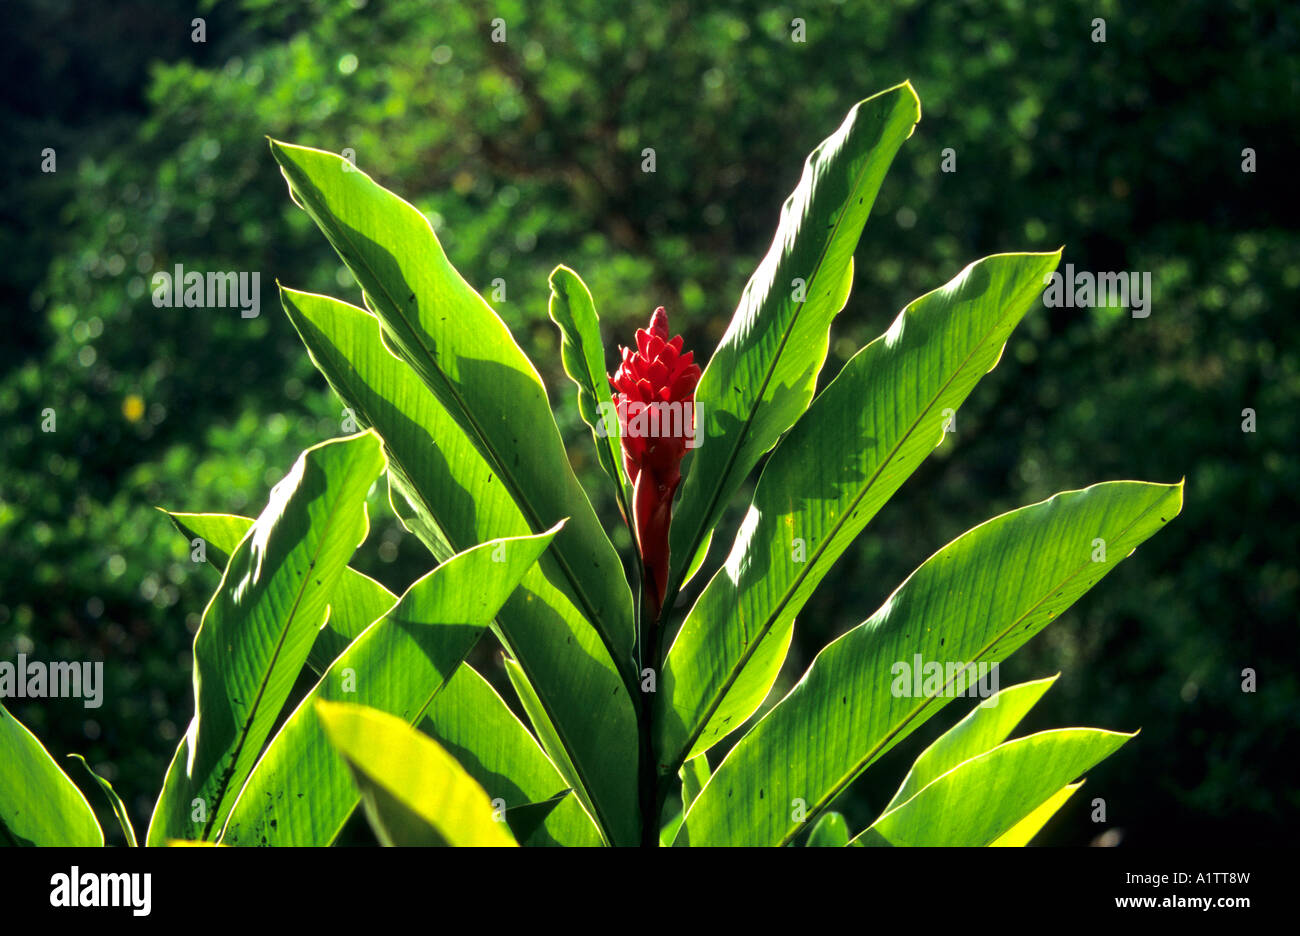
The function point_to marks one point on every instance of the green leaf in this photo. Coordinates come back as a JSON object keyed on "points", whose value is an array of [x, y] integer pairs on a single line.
{"points": [[299, 792], [567, 824], [413, 791], [220, 533], [259, 627], [1024, 830], [414, 513], [987, 725], [698, 562], [831, 831], [546, 732], [466, 356], [763, 373], [39, 804], [474, 724], [574, 312], [526, 818], [115, 801], [669, 830], [871, 427], [442, 477], [357, 601], [984, 798], [694, 774], [974, 602]]}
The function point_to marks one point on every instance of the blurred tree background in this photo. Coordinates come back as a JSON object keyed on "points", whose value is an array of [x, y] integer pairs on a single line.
{"points": [[528, 153]]}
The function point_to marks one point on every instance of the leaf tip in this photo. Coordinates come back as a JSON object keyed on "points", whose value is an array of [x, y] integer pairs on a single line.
{"points": [[916, 98]]}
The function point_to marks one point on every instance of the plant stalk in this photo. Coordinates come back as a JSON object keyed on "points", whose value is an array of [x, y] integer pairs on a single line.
{"points": [[647, 776]]}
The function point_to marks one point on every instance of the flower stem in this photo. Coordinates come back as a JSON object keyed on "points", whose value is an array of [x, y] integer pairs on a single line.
{"points": [[647, 779]]}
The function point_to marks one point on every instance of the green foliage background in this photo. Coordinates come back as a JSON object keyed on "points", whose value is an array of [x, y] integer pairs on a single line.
{"points": [[527, 154]]}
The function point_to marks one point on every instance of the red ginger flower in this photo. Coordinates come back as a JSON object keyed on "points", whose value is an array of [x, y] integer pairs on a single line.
{"points": [[656, 373]]}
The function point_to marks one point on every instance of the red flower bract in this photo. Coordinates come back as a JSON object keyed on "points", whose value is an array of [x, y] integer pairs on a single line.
{"points": [[654, 437]]}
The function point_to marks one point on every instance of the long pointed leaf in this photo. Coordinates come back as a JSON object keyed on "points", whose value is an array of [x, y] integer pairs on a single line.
{"points": [[39, 803], [987, 725], [115, 801], [299, 792], [466, 356], [355, 604], [441, 475], [414, 792], [259, 627], [574, 313], [975, 601], [870, 428], [763, 373], [984, 798]]}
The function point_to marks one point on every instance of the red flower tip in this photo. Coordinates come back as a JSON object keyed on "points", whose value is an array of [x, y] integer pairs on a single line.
{"points": [[655, 391], [659, 323]]}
